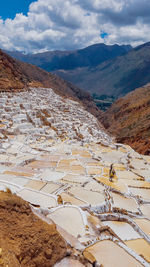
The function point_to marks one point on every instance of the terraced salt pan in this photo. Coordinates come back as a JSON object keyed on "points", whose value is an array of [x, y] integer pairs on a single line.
{"points": [[110, 254], [68, 263], [41, 151], [94, 171], [144, 225], [72, 200], [145, 210], [70, 219], [21, 171], [91, 163], [136, 183], [144, 193], [112, 156], [117, 185], [18, 160], [3, 168], [93, 198], [141, 247], [94, 186], [70, 178], [123, 230], [105, 171], [4, 158], [93, 220], [15, 148], [127, 175], [51, 176], [65, 168], [38, 164], [119, 167], [99, 149], [124, 203], [14, 180], [37, 198], [138, 164], [37, 185], [144, 173], [49, 157], [50, 188], [81, 153], [76, 169], [66, 162], [147, 159]]}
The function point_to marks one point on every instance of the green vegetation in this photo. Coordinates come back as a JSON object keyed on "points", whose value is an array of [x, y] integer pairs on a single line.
{"points": [[103, 102]]}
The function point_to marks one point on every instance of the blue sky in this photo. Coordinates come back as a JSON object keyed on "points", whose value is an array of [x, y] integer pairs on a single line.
{"points": [[42, 25], [9, 8]]}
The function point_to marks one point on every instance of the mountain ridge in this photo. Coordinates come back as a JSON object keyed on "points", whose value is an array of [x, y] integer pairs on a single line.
{"points": [[90, 56]]}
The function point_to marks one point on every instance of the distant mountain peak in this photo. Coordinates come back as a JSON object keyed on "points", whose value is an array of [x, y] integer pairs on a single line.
{"points": [[142, 46]]}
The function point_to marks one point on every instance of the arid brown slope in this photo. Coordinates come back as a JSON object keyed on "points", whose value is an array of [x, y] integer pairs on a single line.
{"points": [[129, 119], [10, 74], [16, 75], [25, 240]]}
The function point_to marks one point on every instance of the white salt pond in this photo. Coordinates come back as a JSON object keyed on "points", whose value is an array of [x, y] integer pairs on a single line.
{"points": [[70, 219]]}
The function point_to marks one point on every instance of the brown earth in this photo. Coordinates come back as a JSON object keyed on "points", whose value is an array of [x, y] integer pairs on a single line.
{"points": [[16, 75], [129, 120], [25, 240]]}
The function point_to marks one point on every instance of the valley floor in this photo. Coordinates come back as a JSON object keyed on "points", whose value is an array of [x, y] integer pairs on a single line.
{"points": [[56, 156]]}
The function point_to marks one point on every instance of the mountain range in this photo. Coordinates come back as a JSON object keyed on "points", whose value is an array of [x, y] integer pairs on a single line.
{"points": [[115, 77], [99, 69], [69, 60]]}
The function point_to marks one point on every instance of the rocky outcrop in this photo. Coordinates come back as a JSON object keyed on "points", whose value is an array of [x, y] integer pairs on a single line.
{"points": [[25, 240], [129, 119]]}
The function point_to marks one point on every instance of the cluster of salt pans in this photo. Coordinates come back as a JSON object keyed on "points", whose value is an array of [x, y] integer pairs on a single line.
{"points": [[54, 155]]}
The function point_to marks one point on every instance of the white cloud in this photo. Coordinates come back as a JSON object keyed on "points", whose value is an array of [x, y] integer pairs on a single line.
{"points": [[71, 24]]}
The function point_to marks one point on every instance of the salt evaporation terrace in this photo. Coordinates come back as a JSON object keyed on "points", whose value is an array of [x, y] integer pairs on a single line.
{"points": [[56, 156]]}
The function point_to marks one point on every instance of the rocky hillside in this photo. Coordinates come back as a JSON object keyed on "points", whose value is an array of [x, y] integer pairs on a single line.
{"points": [[129, 119], [11, 76], [25, 240], [114, 77], [16, 75]]}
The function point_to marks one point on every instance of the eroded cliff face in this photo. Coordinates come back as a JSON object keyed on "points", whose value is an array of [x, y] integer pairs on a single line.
{"points": [[129, 120]]}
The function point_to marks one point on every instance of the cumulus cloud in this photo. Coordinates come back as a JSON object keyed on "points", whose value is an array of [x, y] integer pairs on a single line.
{"points": [[72, 24]]}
